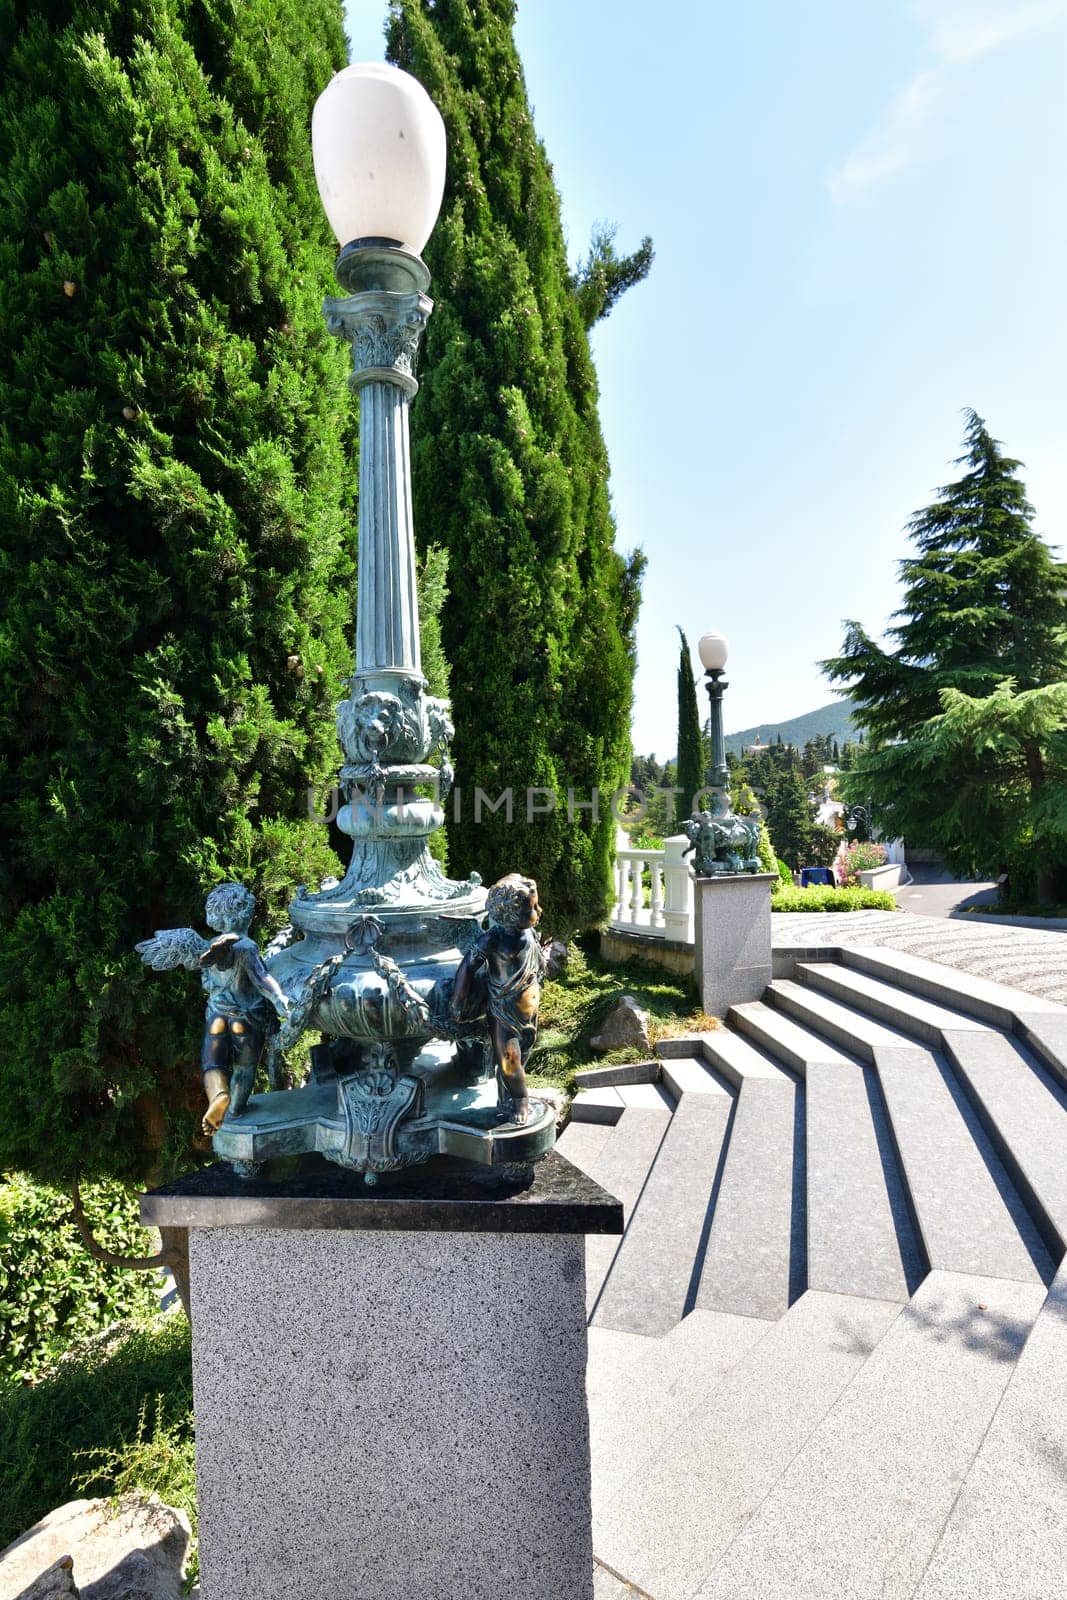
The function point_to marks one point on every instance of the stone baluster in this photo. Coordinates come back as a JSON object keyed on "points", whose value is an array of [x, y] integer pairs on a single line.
{"points": [[637, 894], [656, 900], [678, 890]]}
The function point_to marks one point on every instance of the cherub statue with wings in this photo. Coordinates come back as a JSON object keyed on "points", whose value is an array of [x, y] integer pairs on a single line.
{"points": [[244, 1002]]}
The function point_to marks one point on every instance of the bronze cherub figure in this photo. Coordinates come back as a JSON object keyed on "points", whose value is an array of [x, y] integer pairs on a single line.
{"points": [[243, 1000], [500, 976]]}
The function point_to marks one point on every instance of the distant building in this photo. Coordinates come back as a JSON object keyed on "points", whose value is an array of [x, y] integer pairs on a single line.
{"points": [[756, 749]]}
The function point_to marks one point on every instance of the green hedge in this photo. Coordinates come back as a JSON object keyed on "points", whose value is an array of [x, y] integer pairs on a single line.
{"points": [[822, 898], [52, 1292]]}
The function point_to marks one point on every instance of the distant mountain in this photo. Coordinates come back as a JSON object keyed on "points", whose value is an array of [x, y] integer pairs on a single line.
{"points": [[834, 719]]}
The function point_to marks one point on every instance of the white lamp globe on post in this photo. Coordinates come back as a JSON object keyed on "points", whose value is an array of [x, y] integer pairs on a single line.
{"points": [[378, 143], [713, 650]]}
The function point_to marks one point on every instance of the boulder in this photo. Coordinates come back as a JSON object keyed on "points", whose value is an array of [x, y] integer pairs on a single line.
{"points": [[133, 1552], [55, 1583], [556, 956], [624, 1028]]}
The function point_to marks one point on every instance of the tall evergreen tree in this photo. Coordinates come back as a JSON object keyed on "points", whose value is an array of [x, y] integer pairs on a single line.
{"points": [[176, 557], [983, 626], [690, 740], [984, 782], [983, 600], [511, 474]]}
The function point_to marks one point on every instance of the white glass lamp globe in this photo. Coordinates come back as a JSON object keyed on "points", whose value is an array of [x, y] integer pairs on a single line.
{"points": [[379, 148], [713, 650]]}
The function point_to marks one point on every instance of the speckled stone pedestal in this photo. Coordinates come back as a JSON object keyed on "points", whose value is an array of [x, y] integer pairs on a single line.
{"points": [[732, 959], [390, 1388]]}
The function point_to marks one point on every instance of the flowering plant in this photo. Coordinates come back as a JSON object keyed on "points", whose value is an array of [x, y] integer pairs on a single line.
{"points": [[859, 856]]}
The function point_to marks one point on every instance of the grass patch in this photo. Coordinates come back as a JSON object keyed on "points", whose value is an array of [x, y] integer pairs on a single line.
{"points": [[574, 1005], [114, 1414], [820, 897]]}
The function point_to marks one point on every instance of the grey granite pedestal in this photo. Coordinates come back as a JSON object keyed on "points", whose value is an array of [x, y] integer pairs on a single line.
{"points": [[732, 959], [390, 1387]]}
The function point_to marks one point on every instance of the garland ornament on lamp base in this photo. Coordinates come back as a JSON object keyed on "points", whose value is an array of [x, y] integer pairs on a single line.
{"points": [[426, 1020], [721, 843]]}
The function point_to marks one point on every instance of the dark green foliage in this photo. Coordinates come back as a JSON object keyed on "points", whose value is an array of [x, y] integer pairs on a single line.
{"points": [[984, 783], [966, 714], [983, 601], [511, 475], [604, 276], [51, 1433], [690, 766], [51, 1292], [773, 782], [176, 562]]}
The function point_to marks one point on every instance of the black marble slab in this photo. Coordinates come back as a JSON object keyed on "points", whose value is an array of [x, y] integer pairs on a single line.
{"points": [[443, 1196]]}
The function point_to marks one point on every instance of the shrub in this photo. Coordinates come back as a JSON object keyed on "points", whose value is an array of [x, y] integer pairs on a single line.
{"points": [[822, 898], [52, 1292], [56, 1434], [860, 856], [784, 872]]}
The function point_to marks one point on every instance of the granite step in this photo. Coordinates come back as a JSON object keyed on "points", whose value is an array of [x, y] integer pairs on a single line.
{"points": [[754, 1263], [920, 1018], [682, 1506], [641, 1389], [646, 1096], [783, 1039], [861, 1237], [970, 1217], [738, 1059], [606, 1586], [648, 1287], [860, 1507], [1023, 1109], [844, 1027], [583, 1142], [1007, 1532], [622, 1168], [1046, 1036], [603, 1104], [989, 1002]]}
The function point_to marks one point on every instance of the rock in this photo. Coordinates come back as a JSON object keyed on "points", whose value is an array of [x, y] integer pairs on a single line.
{"points": [[624, 1028], [556, 958], [134, 1553], [55, 1583]]}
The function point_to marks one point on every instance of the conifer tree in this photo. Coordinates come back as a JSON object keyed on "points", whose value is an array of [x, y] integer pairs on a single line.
{"points": [[963, 741], [176, 555], [690, 740], [983, 600], [511, 475]]}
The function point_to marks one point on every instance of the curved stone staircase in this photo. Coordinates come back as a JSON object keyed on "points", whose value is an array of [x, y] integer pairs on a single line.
{"points": [[828, 1357]]}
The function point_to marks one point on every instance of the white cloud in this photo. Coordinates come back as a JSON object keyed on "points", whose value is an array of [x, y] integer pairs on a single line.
{"points": [[958, 31], [962, 29]]}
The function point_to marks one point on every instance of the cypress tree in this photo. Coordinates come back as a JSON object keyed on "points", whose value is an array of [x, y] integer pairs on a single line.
{"points": [[690, 740], [511, 474], [984, 600], [176, 554]]}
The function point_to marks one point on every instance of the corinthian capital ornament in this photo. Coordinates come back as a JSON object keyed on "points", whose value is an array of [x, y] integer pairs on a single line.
{"points": [[384, 330]]}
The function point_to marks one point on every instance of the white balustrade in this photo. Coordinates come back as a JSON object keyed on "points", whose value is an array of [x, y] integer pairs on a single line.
{"points": [[654, 890]]}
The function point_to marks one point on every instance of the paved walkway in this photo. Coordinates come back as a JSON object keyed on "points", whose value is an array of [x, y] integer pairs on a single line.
{"points": [[1028, 958]]}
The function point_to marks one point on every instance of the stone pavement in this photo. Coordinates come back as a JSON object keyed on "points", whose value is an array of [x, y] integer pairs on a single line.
{"points": [[1026, 958]]}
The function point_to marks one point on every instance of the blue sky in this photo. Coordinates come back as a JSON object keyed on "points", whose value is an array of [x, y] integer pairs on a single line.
{"points": [[860, 221]]}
